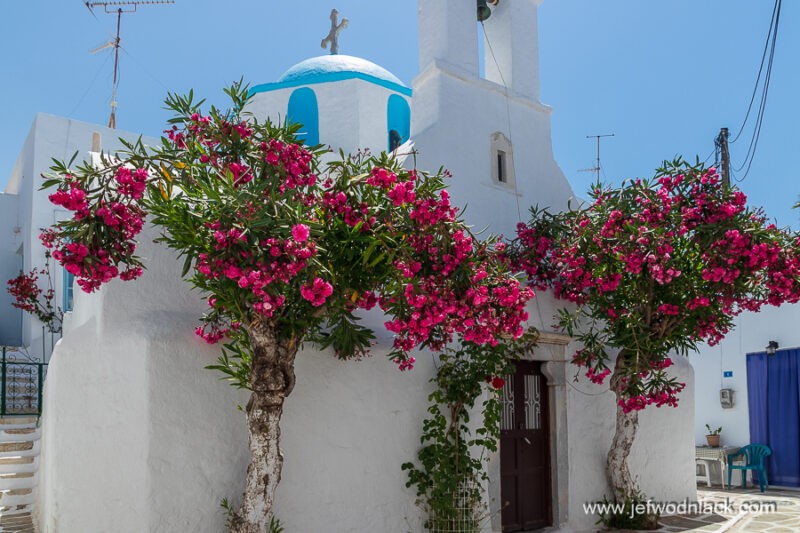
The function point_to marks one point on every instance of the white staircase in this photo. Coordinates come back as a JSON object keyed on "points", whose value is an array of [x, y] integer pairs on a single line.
{"points": [[19, 464]]}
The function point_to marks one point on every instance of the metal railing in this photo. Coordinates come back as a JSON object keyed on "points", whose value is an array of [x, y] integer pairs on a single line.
{"points": [[21, 386]]}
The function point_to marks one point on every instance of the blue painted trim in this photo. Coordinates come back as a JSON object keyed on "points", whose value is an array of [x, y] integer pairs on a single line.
{"points": [[329, 77], [398, 118], [303, 110], [67, 292]]}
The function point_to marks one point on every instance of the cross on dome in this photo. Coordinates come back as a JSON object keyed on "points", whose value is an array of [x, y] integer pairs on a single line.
{"points": [[333, 35]]}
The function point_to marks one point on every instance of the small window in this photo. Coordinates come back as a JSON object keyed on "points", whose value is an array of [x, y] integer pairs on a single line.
{"points": [[303, 110], [502, 177], [398, 120], [502, 160], [68, 295]]}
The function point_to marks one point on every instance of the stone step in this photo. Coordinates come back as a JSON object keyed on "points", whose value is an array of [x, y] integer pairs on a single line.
{"points": [[16, 519], [10, 460], [14, 497], [32, 452], [19, 483], [24, 466], [16, 446], [10, 511], [15, 475], [20, 522], [14, 438], [18, 431], [12, 427], [17, 419]]}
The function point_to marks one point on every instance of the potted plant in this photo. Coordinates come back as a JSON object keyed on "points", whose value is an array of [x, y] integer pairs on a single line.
{"points": [[713, 436]]}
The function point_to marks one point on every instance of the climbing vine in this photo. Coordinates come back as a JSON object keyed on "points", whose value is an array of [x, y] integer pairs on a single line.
{"points": [[450, 467]]}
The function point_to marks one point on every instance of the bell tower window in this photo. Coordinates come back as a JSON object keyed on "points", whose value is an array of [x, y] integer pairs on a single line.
{"points": [[502, 177], [502, 160]]}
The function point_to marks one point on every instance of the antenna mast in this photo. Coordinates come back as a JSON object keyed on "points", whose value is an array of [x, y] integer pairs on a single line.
{"points": [[119, 8], [596, 167]]}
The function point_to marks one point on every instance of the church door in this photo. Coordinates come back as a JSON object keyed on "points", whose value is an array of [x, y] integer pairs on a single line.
{"points": [[525, 450]]}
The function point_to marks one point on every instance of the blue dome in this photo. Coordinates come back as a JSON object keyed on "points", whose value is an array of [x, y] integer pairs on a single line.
{"points": [[335, 67]]}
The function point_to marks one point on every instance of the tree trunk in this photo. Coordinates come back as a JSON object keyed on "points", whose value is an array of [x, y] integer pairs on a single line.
{"points": [[619, 476], [272, 379]]}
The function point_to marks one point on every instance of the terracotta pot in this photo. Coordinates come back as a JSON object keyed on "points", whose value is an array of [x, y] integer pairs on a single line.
{"points": [[713, 440]]}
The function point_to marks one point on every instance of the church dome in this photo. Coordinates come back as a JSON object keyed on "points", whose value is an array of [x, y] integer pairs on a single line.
{"points": [[314, 67], [332, 68]]}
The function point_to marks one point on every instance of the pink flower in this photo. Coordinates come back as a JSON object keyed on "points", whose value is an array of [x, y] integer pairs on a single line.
{"points": [[317, 292], [300, 232]]}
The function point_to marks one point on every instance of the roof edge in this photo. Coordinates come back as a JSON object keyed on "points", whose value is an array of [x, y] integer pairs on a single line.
{"points": [[328, 77]]}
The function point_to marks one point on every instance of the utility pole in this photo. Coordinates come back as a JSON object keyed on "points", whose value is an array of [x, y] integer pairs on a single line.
{"points": [[722, 143], [596, 167], [119, 8]]}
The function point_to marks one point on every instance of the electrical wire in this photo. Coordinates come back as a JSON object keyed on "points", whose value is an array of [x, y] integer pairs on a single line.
{"points": [[144, 68], [714, 152], [89, 88], [760, 69], [771, 40], [508, 115]]}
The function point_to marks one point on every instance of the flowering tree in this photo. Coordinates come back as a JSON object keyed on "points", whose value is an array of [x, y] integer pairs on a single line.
{"points": [[285, 252], [655, 267]]}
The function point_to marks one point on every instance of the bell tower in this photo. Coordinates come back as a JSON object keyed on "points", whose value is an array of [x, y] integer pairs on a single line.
{"points": [[448, 36], [511, 32], [492, 132]]}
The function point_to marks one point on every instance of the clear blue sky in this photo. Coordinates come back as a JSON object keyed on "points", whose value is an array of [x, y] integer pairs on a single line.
{"points": [[663, 75]]}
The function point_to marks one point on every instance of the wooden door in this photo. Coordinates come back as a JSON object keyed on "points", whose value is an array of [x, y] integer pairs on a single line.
{"points": [[525, 450]]}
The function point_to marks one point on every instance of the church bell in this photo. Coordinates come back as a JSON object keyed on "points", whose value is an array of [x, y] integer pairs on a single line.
{"points": [[483, 11]]}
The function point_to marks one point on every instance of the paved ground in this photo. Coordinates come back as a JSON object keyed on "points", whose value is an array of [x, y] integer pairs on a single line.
{"points": [[18, 523], [740, 510]]}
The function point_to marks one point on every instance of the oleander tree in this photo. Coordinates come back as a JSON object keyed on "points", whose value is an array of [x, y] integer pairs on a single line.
{"points": [[286, 250], [653, 268]]}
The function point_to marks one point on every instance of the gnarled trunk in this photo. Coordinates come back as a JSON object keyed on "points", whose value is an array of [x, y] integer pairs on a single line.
{"points": [[272, 379], [619, 475]]}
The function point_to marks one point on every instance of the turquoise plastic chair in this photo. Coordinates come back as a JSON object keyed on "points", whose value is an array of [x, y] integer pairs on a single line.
{"points": [[754, 455]]}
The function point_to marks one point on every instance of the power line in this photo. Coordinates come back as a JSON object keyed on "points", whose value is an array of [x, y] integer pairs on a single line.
{"points": [[758, 78], [772, 37]]}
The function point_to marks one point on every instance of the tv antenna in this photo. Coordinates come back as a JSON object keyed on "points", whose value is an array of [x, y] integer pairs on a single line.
{"points": [[118, 8], [596, 167]]}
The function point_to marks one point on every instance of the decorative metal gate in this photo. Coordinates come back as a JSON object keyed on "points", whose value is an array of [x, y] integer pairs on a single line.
{"points": [[21, 383]]}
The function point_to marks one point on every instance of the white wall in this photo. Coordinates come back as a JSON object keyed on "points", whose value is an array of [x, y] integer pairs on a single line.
{"points": [[662, 457], [352, 113], [752, 333], [49, 137], [138, 436], [452, 121], [10, 265]]}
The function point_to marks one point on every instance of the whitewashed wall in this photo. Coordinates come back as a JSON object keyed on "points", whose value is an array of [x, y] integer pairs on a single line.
{"points": [[662, 457], [352, 113], [49, 137], [151, 441], [453, 117], [752, 333], [10, 265]]}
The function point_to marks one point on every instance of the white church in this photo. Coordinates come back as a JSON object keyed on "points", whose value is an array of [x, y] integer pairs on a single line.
{"points": [[136, 436]]}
